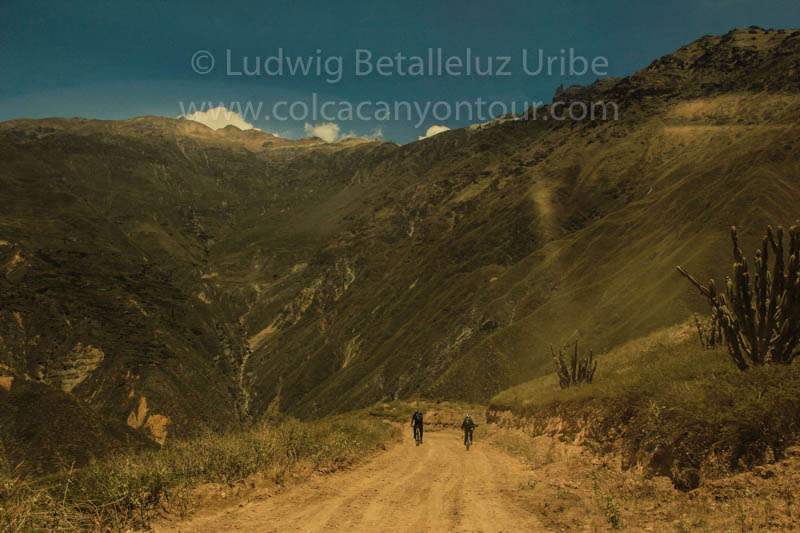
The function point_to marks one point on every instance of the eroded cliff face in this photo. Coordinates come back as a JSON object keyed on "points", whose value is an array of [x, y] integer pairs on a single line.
{"points": [[322, 293], [154, 425], [72, 368]]}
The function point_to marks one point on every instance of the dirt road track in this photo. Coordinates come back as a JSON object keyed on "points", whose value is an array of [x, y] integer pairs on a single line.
{"points": [[434, 487]]}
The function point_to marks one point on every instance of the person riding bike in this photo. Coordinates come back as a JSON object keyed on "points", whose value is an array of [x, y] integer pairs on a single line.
{"points": [[468, 426], [416, 421]]}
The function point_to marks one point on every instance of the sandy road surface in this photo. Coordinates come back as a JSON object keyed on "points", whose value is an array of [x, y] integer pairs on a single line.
{"points": [[438, 486]]}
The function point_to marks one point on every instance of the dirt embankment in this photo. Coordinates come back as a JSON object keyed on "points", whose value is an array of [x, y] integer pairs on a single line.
{"points": [[607, 430]]}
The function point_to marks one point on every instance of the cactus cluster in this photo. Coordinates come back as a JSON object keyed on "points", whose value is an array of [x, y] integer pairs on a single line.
{"points": [[760, 320], [572, 369], [709, 331]]}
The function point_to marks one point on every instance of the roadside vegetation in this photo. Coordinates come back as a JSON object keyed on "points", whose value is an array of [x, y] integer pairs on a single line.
{"points": [[670, 404], [572, 490], [128, 491], [678, 407], [572, 369]]}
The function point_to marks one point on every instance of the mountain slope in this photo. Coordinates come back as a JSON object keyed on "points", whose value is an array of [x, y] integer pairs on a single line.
{"points": [[176, 278], [107, 230], [527, 234]]}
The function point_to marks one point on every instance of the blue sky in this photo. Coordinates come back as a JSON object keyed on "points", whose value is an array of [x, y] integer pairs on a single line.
{"points": [[115, 60]]}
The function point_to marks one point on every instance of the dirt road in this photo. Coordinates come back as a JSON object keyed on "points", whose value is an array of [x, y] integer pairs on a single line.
{"points": [[438, 486]]}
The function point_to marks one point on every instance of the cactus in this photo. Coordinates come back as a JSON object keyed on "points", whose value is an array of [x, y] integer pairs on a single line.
{"points": [[577, 370], [709, 331], [760, 321]]}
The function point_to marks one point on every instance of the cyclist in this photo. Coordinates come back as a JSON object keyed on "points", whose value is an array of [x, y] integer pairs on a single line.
{"points": [[416, 421], [468, 426]]}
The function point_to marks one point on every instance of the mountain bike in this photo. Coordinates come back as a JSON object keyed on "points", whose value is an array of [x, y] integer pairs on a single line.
{"points": [[417, 435]]}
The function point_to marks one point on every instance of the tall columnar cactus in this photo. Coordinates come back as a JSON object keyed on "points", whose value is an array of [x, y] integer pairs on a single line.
{"points": [[760, 320], [575, 371]]}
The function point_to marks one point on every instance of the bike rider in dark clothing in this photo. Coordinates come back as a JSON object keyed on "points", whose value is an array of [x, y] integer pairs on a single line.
{"points": [[416, 421], [468, 426]]}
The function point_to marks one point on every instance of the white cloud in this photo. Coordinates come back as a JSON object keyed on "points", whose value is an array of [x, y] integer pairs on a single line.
{"points": [[219, 117], [375, 135], [433, 130], [327, 131]]}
